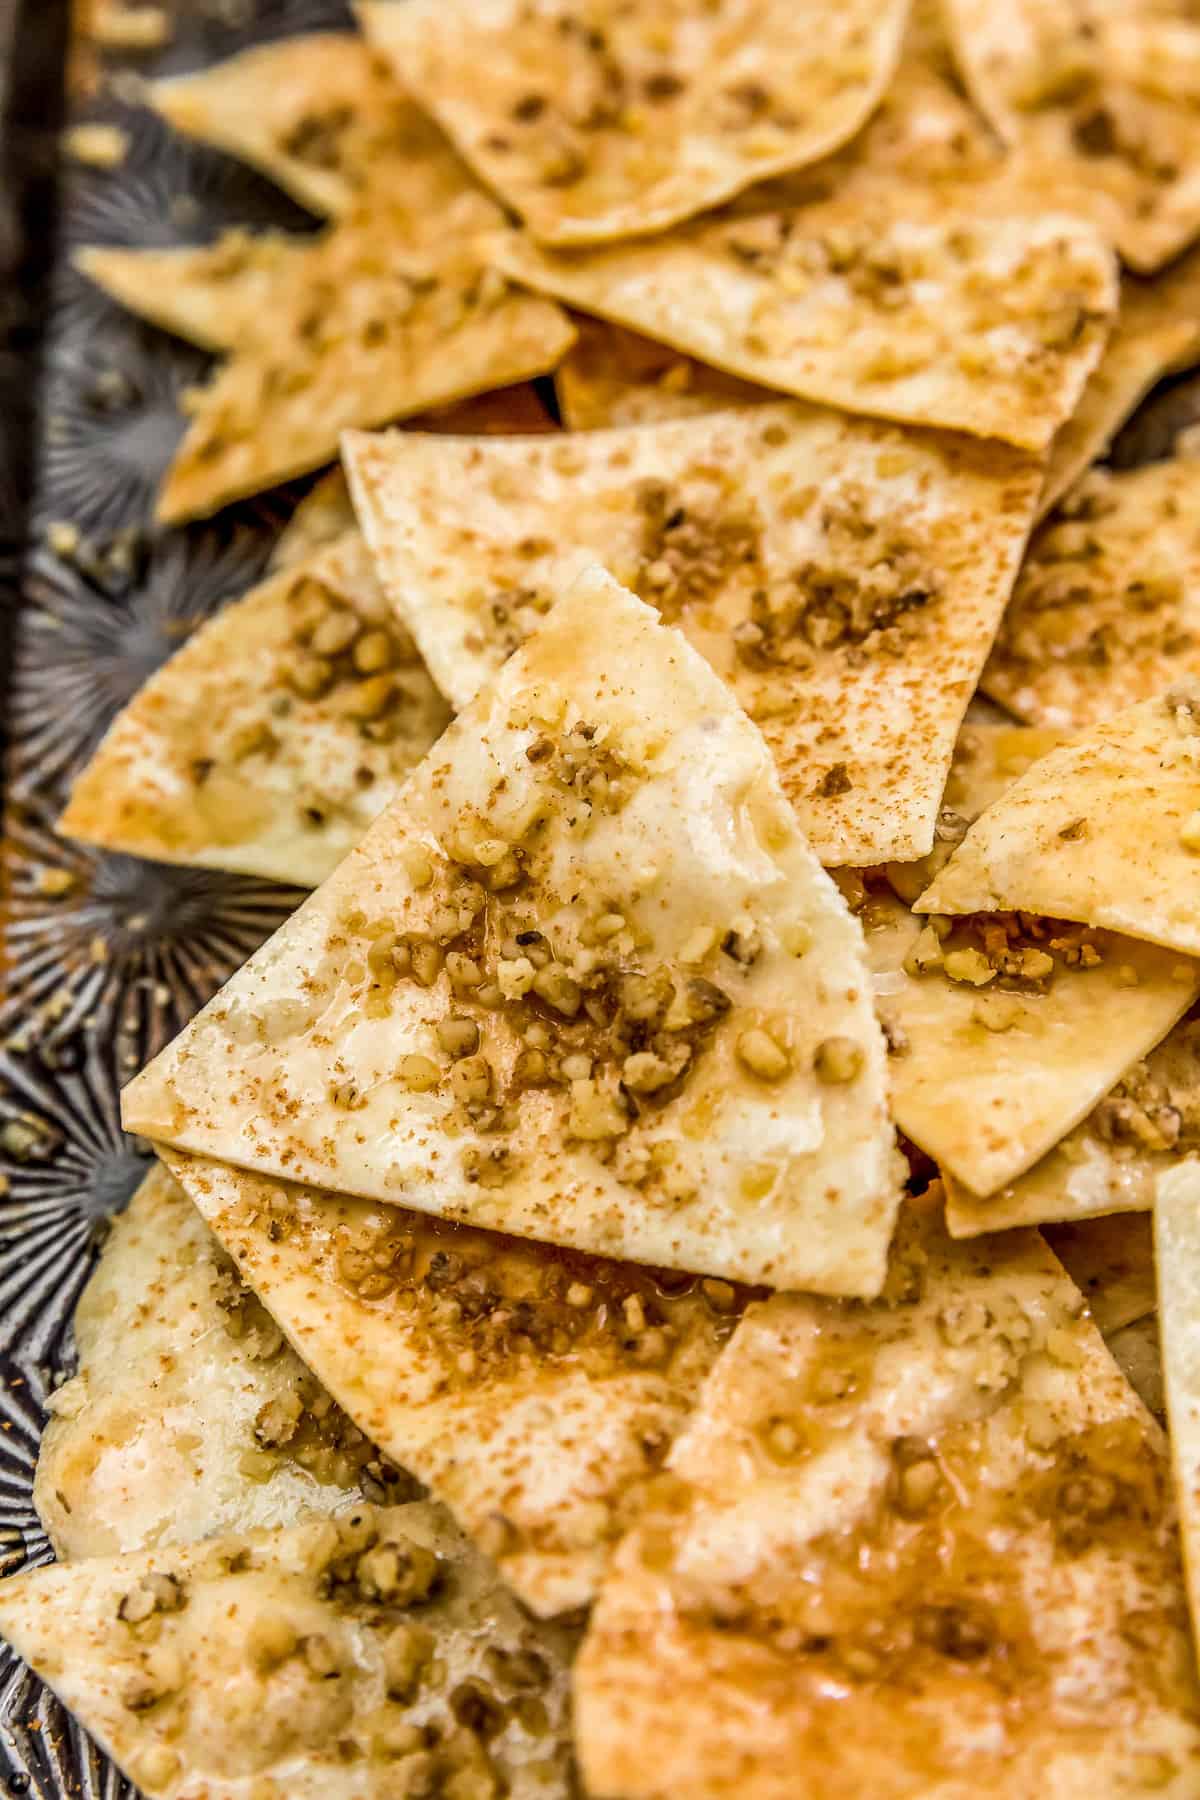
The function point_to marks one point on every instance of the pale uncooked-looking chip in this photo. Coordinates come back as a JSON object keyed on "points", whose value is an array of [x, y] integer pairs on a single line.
{"points": [[1107, 608], [270, 741], [995, 1062], [1109, 1163], [534, 1390], [611, 376], [1105, 830], [376, 331], [1157, 329], [189, 1417], [882, 1567], [326, 1660], [321, 116], [215, 295], [982, 315], [1177, 1254], [584, 982], [629, 119], [844, 575], [1101, 105], [1111, 1262]]}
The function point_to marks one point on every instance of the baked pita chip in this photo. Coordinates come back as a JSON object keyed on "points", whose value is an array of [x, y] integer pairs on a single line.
{"points": [[1111, 1262], [270, 741], [1107, 608], [845, 576], [214, 295], [888, 299], [879, 1565], [1110, 1162], [1105, 830], [611, 376], [327, 1660], [601, 994], [190, 1416], [323, 118], [1101, 106], [996, 1061], [1157, 329], [621, 124], [375, 332], [535, 1390], [1136, 1351], [1177, 1252]]}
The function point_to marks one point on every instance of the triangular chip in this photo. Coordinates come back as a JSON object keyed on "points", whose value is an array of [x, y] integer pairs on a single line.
{"points": [[1111, 1262], [1157, 329], [190, 1416], [272, 739], [374, 332], [611, 376], [1177, 1252], [899, 1553], [214, 295], [584, 982], [534, 1390], [888, 299], [1110, 1162], [845, 576], [1105, 830], [329, 1660], [1107, 608], [1007, 1032], [321, 116], [1100, 104], [623, 122]]}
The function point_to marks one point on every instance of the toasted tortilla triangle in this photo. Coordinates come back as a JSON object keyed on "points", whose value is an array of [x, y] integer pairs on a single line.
{"points": [[979, 315], [844, 576], [325, 514], [1107, 608], [611, 376], [270, 741], [1109, 1163], [534, 1390], [327, 1660], [878, 1568], [1157, 329], [189, 1416], [214, 295], [1138, 1354], [583, 982], [1177, 1256], [1111, 1262], [1101, 109], [1097, 831], [991, 1069], [374, 332], [324, 119], [623, 122]]}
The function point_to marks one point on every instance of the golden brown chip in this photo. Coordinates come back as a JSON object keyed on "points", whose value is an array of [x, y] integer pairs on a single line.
{"points": [[620, 121], [535, 1390], [1107, 608], [897, 1552], [1111, 1262], [323, 117], [374, 332], [273, 738], [215, 295], [845, 576], [611, 376]]}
